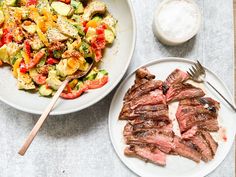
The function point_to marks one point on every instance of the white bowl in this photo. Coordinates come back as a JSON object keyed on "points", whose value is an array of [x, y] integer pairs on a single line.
{"points": [[164, 38], [115, 61]]}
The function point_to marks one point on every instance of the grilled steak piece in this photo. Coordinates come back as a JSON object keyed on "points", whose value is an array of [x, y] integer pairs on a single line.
{"points": [[199, 111], [202, 121], [143, 73], [142, 76], [209, 125], [182, 91], [183, 149], [152, 98], [194, 112], [150, 124], [211, 142], [208, 103], [190, 133], [163, 140], [143, 89], [146, 153], [176, 77], [202, 146], [156, 112]]}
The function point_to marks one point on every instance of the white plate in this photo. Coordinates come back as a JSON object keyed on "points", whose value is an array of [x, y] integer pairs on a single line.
{"points": [[176, 166], [115, 61]]}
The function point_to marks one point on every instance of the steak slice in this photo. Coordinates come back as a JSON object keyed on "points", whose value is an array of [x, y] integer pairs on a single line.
{"points": [[156, 112], [202, 146], [152, 98], [189, 133], [146, 153], [158, 138], [142, 76], [182, 149], [143, 89], [189, 116], [177, 76], [209, 125], [150, 124], [198, 111], [182, 91], [200, 101], [211, 142], [143, 73], [206, 102]]}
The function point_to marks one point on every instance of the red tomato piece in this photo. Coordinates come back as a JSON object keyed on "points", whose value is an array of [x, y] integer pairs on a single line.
{"points": [[27, 48], [52, 61], [65, 1], [6, 37], [100, 30], [97, 83], [74, 94], [98, 43], [98, 55], [23, 68], [69, 90], [31, 2]]}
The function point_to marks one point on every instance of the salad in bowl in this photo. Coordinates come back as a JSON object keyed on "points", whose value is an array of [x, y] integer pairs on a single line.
{"points": [[46, 41]]}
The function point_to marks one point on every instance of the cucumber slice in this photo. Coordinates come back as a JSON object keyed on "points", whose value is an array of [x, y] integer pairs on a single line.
{"points": [[109, 36], [44, 91], [78, 6]]}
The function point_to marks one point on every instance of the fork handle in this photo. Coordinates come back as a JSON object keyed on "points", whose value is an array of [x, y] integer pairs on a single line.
{"points": [[43, 117], [227, 101]]}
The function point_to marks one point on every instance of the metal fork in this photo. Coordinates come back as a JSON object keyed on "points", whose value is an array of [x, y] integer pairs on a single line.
{"points": [[198, 74]]}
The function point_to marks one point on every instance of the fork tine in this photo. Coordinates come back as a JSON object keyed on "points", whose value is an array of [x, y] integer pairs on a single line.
{"points": [[192, 72], [201, 67], [189, 74]]}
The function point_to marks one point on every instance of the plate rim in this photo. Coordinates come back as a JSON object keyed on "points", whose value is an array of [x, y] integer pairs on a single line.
{"points": [[149, 63], [55, 112]]}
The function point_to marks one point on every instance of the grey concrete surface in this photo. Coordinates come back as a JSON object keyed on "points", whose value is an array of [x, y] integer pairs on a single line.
{"points": [[78, 144]]}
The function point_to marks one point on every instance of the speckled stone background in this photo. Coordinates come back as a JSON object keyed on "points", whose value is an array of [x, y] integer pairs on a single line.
{"points": [[78, 144]]}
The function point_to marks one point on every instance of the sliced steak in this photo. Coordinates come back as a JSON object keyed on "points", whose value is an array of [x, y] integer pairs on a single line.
{"points": [[189, 116], [202, 146], [143, 73], [151, 124], [182, 91], [156, 112], [142, 76], [143, 89], [177, 76], [190, 133], [146, 153], [152, 98], [211, 142], [209, 125], [182, 149], [206, 102], [163, 141], [199, 111]]}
